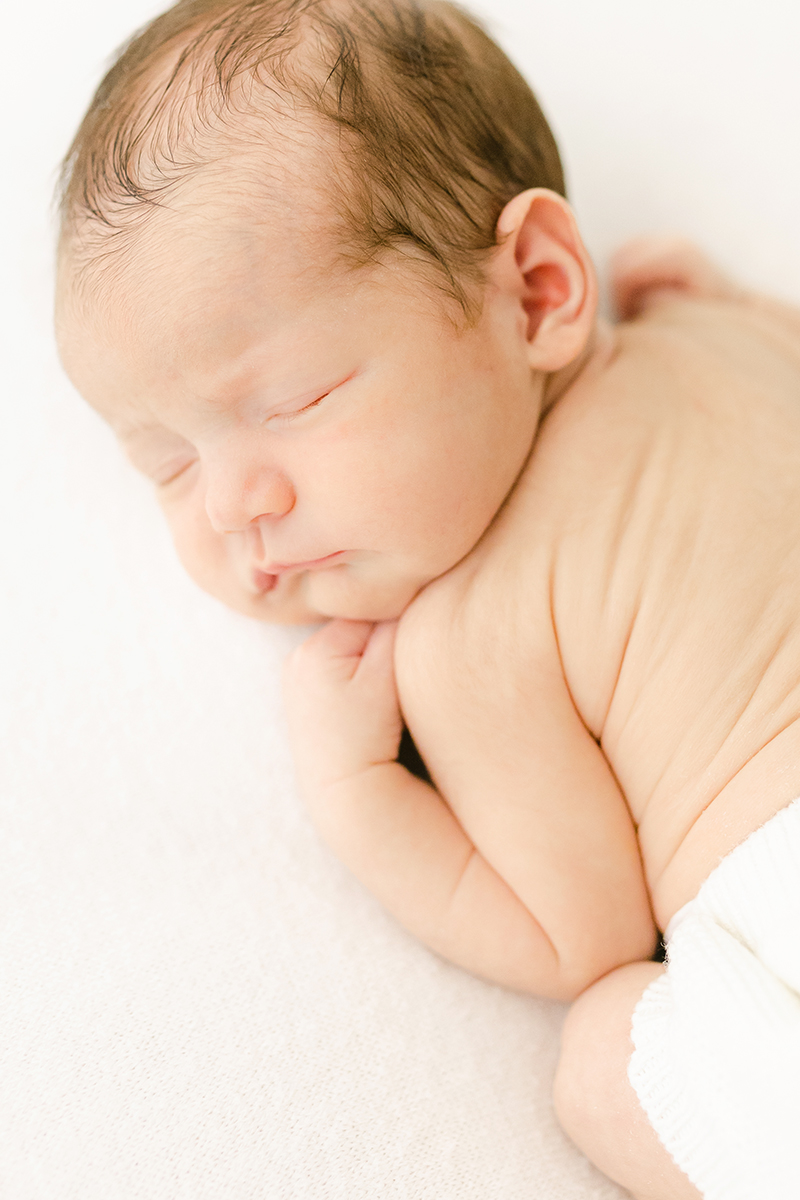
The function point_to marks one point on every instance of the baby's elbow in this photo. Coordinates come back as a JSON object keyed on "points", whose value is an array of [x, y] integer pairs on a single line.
{"points": [[570, 971], [572, 980], [562, 981], [578, 968]]}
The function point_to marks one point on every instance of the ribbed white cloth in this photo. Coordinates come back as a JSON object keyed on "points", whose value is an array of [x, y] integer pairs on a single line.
{"points": [[716, 1064]]}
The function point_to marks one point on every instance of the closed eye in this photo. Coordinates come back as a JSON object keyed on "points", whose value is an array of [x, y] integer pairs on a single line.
{"points": [[290, 416], [172, 471], [159, 454]]}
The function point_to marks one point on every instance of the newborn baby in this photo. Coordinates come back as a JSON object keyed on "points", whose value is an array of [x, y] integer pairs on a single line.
{"points": [[318, 272]]}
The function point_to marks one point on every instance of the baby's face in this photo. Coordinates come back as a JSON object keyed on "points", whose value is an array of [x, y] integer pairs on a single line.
{"points": [[322, 442]]}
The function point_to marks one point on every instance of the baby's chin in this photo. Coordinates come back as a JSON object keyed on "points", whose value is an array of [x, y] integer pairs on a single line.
{"points": [[356, 596]]}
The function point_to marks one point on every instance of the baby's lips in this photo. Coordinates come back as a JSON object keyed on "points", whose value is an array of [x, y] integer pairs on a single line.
{"points": [[265, 581]]}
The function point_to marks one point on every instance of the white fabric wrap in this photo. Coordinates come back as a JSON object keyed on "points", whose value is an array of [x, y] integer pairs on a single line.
{"points": [[716, 1064]]}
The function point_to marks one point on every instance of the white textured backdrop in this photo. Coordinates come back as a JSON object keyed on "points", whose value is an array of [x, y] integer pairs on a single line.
{"points": [[196, 1002]]}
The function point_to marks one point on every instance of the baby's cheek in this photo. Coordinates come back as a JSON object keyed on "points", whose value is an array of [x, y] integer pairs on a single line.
{"points": [[202, 552], [209, 558]]}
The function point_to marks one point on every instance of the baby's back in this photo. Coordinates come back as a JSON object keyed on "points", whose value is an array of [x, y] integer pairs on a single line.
{"points": [[669, 490], [656, 534]]}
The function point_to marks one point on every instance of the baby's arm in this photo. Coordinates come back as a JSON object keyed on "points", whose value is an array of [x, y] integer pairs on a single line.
{"points": [[571, 861], [391, 829]]}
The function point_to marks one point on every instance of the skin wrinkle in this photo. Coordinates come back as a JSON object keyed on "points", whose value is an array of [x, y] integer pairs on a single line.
{"points": [[741, 730], [655, 878], [621, 529], [599, 734], [472, 861], [761, 683], [656, 502]]}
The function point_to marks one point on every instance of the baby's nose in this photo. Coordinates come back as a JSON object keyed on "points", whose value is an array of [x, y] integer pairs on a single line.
{"points": [[236, 498]]}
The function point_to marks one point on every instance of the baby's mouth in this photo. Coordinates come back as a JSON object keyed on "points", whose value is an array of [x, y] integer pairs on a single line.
{"points": [[265, 583]]}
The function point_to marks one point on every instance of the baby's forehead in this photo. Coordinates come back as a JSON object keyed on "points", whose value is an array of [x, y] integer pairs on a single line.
{"points": [[222, 234], [208, 277]]}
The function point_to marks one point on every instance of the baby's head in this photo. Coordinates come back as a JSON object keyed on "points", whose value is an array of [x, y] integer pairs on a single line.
{"points": [[317, 272]]}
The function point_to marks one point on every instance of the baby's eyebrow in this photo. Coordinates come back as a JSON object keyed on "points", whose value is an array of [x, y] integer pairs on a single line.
{"points": [[128, 430], [131, 434]]}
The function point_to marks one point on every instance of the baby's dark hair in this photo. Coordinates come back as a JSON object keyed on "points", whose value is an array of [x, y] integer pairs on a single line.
{"points": [[437, 130]]}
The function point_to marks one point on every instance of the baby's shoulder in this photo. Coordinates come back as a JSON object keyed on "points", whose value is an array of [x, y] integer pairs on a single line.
{"points": [[485, 628], [700, 377]]}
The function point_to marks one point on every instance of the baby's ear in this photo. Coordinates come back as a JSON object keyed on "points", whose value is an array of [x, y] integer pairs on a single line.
{"points": [[544, 262]]}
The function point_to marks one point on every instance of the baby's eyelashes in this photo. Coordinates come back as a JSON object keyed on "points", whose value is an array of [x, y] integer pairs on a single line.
{"points": [[304, 404], [160, 455], [170, 472], [292, 414]]}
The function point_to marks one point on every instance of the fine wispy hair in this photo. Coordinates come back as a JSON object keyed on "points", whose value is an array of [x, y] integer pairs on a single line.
{"points": [[434, 130]]}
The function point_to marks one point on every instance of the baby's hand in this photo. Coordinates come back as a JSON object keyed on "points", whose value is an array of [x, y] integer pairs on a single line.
{"points": [[648, 266], [341, 697]]}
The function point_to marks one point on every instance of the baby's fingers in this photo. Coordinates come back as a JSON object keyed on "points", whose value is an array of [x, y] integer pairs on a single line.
{"points": [[342, 650], [334, 651], [647, 266], [378, 655], [342, 702]]}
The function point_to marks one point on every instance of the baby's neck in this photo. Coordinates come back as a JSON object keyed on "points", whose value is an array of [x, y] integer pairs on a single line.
{"points": [[598, 349]]}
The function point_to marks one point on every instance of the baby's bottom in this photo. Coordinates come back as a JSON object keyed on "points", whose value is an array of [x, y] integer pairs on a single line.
{"points": [[594, 1101], [716, 1065]]}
